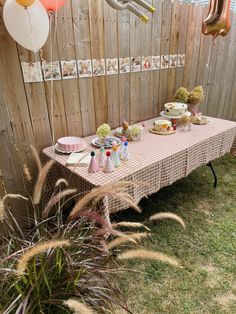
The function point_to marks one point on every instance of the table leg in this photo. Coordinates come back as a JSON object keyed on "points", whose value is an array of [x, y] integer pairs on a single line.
{"points": [[214, 173]]}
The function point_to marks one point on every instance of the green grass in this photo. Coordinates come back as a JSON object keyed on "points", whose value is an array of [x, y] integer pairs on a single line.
{"points": [[207, 248]]}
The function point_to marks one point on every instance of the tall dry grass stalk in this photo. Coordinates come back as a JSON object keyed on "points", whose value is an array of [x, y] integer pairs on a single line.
{"points": [[144, 254], [5, 199], [27, 173], [130, 224], [133, 237], [55, 199], [115, 190], [36, 158], [167, 215], [61, 181], [36, 250], [78, 307], [40, 182]]}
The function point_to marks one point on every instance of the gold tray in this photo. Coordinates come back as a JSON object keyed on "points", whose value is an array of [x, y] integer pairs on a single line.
{"points": [[161, 133]]}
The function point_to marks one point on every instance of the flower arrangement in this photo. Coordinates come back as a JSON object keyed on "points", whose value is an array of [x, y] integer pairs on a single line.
{"points": [[103, 130], [135, 132], [193, 97], [196, 95], [182, 95]]}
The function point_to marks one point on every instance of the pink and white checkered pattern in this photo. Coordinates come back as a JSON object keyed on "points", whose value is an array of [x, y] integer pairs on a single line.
{"points": [[158, 160]]}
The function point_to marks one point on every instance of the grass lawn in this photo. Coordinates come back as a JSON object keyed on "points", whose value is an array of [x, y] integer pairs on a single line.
{"points": [[207, 248]]}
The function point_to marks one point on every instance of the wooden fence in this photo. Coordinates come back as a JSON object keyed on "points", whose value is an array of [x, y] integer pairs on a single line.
{"points": [[91, 29]]}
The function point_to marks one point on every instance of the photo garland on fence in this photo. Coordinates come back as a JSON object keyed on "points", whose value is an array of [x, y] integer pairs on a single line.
{"points": [[71, 69]]}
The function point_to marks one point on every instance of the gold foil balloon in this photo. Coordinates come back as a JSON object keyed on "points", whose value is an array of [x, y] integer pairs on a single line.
{"points": [[25, 3], [218, 20]]}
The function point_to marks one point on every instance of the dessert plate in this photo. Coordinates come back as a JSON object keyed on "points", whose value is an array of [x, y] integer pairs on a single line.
{"points": [[76, 151], [162, 133], [108, 144], [174, 117]]}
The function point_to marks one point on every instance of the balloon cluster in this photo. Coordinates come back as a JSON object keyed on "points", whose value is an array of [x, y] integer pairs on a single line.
{"points": [[27, 21]]}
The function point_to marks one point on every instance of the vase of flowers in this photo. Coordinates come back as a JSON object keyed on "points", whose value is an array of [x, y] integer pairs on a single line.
{"points": [[103, 131], [135, 132], [195, 97]]}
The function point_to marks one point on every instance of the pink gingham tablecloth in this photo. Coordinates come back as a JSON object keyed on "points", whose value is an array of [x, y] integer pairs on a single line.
{"points": [[158, 160]]}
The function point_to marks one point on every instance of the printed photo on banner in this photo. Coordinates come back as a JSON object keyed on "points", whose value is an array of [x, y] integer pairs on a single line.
{"points": [[181, 60], [51, 71], [99, 67], [136, 64], [165, 61], [146, 63], [173, 61], [85, 68], [112, 66], [32, 72], [156, 62], [69, 69], [124, 64]]}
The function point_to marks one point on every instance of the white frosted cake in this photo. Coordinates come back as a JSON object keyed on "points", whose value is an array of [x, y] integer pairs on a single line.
{"points": [[70, 144], [175, 109], [162, 126]]}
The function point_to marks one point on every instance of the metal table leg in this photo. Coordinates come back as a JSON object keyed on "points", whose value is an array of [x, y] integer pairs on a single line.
{"points": [[214, 173]]}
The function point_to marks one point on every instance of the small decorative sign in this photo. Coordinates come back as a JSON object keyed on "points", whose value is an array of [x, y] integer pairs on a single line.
{"points": [[181, 60], [84, 68], [51, 70], [164, 61], [99, 67], [32, 72], [173, 61], [112, 66], [69, 69], [156, 62], [124, 64], [136, 64], [146, 63]]}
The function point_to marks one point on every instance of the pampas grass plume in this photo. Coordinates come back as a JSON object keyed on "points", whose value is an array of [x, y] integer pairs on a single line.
{"points": [[61, 181], [36, 250], [55, 199], [36, 158], [130, 224], [168, 216], [126, 238], [5, 198], [27, 173], [115, 190], [40, 182], [143, 254], [78, 307]]}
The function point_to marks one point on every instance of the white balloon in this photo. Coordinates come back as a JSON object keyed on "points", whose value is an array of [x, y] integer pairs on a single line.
{"points": [[28, 26]]}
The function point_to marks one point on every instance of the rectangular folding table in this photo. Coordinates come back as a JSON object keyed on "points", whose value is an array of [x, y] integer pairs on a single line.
{"points": [[158, 160]]}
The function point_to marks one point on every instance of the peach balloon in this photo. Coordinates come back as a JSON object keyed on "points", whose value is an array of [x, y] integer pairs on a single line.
{"points": [[53, 5]]}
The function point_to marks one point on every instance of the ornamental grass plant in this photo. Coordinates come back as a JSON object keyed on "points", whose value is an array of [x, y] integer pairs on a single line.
{"points": [[67, 261]]}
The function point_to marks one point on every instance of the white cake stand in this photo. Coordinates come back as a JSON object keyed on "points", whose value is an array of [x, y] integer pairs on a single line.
{"points": [[174, 117]]}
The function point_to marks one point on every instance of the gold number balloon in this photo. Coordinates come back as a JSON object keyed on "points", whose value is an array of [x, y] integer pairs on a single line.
{"points": [[217, 21], [25, 3]]}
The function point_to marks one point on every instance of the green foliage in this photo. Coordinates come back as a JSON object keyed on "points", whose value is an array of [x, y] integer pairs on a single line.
{"points": [[84, 270]]}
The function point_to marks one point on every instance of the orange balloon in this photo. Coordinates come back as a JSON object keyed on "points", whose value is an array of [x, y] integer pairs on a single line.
{"points": [[217, 21], [25, 3]]}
